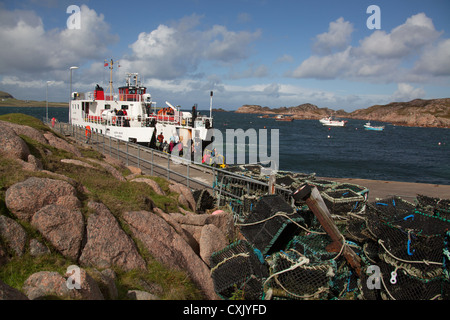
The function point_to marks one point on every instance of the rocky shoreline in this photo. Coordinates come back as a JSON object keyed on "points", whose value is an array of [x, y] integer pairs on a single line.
{"points": [[415, 113], [56, 213], [79, 225]]}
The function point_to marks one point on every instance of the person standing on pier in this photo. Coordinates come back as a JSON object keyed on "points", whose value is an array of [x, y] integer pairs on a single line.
{"points": [[88, 134]]}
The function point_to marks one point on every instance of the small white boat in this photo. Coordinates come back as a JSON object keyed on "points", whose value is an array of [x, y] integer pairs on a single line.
{"points": [[332, 123], [284, 118], [368, 126]]}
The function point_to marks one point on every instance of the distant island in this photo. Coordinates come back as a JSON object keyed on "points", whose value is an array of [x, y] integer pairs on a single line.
{"points": [[7, 100], [415, 113]]}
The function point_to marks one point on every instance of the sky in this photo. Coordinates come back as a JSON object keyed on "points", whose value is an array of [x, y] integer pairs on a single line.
{"points": [[335, 54]]}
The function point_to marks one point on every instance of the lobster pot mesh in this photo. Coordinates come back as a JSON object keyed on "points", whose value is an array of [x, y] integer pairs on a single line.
{"points": [[439, 208], [252, 289], [355, 188], [238, 267], [290, 180], [371, 250], [393, 207], [293, 280], [343, 201], [203, 200], [446, 267], [231, 190], [286, 181], [446, 257], [356, 228], [265, 230], [322, 184], [303, 177], [412, 236], [312, 246], [345, 284], [248, 205], [407, 287]]}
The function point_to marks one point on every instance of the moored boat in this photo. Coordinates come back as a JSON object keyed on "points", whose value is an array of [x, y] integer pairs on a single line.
{"points": [[368, 126], [284, 118], [329, 121]]}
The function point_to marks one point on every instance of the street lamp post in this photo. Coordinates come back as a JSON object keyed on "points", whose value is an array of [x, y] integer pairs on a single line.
{"points": [[46, 99], [70, 99]]}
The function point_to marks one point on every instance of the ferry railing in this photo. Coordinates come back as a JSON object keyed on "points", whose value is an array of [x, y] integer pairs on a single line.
{"points": [[124, 121], [130, 97], [228, 188]]}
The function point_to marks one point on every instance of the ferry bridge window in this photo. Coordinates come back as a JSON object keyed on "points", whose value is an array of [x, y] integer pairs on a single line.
{"points": [[124, 107], [107, 106]]}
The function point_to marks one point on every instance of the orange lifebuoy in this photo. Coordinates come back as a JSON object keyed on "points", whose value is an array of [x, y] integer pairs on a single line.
{"points": [[114, 120]]}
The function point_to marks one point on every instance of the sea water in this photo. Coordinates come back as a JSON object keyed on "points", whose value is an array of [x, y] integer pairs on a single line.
{"points": [[398, 153]]}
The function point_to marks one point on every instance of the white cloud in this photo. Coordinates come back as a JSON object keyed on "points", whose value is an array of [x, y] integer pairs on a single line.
{"points": [[338, 37], [169, 52], [228, 46], [286, 58], [435, 60], [402, 41], [324, 67], [252, 72], [28, 48], [380, 57], [272, 90], [33, 84], [406, 92]]}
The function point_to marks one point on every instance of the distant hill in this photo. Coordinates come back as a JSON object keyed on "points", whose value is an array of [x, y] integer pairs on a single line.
{"points": [[303, 111], [417, 113], [7, 100], [5, 95]]}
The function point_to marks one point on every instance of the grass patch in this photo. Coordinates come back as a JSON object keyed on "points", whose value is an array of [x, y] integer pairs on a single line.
{"points": [[18, 269], [118, 196], [10, 173], [174, 285], [26, 120]]}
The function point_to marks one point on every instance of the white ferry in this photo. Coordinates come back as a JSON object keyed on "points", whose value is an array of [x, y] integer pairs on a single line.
{"points": [[132, 116]]}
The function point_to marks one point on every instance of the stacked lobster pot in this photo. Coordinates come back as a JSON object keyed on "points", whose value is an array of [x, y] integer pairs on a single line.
{"points": [[409, 245], [404, 247], [238, 272]]}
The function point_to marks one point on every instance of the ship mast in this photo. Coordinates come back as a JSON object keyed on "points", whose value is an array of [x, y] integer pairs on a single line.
{"points": [[110, 88]]}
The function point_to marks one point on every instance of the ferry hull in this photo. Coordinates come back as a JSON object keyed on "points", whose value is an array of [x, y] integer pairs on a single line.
{"points": [[147, 135]]}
